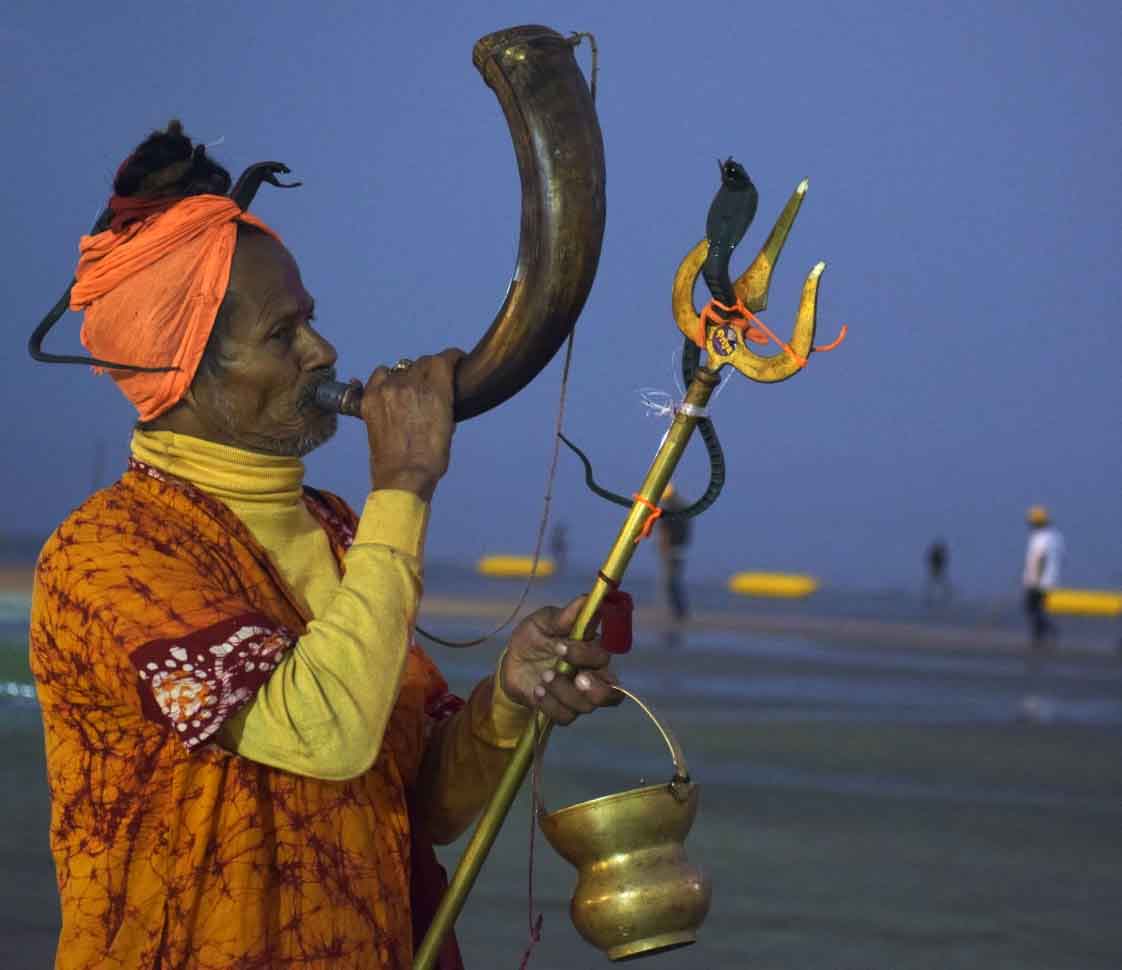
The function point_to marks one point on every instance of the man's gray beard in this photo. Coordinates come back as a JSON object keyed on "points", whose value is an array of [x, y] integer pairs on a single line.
{"points": [[295, 447], [301, 445]]}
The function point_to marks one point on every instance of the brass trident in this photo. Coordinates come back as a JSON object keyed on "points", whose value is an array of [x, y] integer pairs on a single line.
{"points": [[724, 334]]}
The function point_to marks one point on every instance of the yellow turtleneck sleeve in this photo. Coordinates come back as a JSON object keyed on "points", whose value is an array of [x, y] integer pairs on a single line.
{"points": [[324, 709]]}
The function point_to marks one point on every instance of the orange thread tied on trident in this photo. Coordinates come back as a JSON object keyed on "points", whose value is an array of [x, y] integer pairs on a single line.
{"points": [[656, 513], [753, 329]]}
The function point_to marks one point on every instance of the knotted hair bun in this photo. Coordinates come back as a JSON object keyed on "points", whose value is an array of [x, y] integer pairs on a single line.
{"points": [[166, 163]]}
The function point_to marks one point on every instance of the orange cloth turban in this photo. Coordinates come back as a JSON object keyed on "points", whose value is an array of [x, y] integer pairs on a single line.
{"points": [[151, 292]]}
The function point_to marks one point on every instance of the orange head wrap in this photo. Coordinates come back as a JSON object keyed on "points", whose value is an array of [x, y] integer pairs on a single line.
{"points": [[151, 291]]}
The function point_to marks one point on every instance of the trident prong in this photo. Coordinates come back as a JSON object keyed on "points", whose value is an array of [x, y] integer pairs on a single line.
{"points": [[752, 287], [752, 290]]}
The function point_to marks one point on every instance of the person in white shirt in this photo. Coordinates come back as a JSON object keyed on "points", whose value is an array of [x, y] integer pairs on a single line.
{"points": [[1043, 556]]}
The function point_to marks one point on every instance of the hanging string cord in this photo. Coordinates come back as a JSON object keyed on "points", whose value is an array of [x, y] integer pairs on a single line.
{"points": [[536, 806], [535, 923], [543, 525], [575, 39], [691, 357]]}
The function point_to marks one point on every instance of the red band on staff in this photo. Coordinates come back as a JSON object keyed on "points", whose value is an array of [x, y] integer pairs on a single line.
{"points": [[656, 513]]}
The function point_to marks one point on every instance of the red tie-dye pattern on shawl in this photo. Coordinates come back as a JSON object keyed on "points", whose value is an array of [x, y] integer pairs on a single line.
{"points": [[155, 616]]}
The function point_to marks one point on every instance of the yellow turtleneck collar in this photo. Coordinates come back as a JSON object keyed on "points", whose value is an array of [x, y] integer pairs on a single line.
{"points": [[230, 474], [265, 492]]}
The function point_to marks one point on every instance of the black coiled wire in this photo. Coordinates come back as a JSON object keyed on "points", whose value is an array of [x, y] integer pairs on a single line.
{"points": [[691, 360]]}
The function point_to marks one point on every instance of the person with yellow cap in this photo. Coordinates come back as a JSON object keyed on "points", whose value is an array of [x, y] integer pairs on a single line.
{"points": [[1043, 557], [249, 759]]}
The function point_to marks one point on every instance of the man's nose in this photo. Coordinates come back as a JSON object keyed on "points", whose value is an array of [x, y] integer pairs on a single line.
{"points": [[320, 352]]}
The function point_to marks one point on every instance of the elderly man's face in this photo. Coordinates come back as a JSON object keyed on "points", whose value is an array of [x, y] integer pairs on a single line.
{"points": [[262, 395]]}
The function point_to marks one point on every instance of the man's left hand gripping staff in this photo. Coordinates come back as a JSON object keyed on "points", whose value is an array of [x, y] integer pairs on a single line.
{"points": [[538, 642]]}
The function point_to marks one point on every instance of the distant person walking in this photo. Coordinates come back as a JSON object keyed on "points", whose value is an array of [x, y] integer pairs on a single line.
{"points": [[1043, 557], [938, 585], [673, 538], [559, 547]]}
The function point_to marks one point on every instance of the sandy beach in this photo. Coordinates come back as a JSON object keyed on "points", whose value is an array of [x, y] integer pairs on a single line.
{"points": [[875, 794]]}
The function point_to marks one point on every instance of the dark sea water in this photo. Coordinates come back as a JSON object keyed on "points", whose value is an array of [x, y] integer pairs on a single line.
{"points": [[770, 676], [711, 595]]}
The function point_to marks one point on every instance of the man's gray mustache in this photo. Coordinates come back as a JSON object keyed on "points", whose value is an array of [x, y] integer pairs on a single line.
{"points": [[308, 395]]}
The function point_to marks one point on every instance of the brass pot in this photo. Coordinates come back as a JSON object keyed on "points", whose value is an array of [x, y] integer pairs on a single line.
{"points": [[637, 894]]}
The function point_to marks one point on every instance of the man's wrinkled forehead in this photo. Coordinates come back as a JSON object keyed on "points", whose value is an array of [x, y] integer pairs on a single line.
{"points": [[265, 281]]}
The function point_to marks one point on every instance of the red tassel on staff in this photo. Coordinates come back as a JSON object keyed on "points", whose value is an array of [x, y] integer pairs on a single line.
{"points": [[615, 621]]}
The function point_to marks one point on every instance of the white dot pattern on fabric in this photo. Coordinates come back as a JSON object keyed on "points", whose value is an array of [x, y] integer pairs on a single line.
{"points": [[196, 698]]}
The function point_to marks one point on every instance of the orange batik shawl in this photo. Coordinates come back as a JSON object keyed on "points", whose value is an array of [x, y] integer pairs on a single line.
{"points": [[156, 615]]}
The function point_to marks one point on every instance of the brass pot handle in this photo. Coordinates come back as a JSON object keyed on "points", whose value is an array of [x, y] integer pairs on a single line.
{"points": [[679, 785], [681, 772]]}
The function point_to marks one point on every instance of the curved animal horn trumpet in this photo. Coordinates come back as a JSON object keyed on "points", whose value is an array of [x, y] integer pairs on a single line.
{"points": [[556, 136]]}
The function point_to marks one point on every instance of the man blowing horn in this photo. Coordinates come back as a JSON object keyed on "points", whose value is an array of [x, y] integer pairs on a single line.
{"points": [[249, 759]]}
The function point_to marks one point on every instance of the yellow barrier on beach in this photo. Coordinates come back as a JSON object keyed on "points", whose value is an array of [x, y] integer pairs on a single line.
{"points": [[1084, 602], [778, 585], [513, 567]]}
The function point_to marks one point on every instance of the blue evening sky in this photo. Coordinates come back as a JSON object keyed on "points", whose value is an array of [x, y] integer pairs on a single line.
{"points": [[963, 161]]}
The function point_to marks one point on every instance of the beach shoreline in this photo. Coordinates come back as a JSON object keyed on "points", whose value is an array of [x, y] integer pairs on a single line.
{"points": [[760, 617], [873, 795]]}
